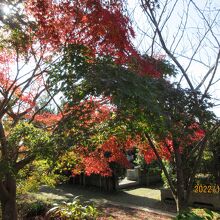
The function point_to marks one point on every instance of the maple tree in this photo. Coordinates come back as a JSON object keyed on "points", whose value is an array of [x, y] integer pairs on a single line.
{"points": [[176, 137], [158, 17], [35, 37], [85, 129], [159, 113], [170, 121], [176, 134], [53, 47]]}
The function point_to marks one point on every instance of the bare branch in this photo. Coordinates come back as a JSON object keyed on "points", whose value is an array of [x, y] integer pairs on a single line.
{"points": [[150, 14]]}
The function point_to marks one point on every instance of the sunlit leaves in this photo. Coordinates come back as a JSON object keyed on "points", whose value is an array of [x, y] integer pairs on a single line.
{"points": [[30, 140]]}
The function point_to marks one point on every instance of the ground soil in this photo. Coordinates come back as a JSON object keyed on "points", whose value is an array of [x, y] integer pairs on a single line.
{"points": [[121, 213]]}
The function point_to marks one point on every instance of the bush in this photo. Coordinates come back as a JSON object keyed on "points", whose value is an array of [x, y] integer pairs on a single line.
{"points": [[38, 173], [67, 163], [29, 208], [35, 209], [152, 169], [73, 211], [205, 179], [197, 214]]}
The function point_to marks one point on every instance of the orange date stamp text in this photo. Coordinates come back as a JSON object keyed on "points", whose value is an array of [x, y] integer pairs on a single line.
{"points": [[206, 189]]}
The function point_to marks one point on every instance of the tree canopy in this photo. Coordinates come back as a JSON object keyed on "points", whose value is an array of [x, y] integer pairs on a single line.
{"points": [[113, 98]]}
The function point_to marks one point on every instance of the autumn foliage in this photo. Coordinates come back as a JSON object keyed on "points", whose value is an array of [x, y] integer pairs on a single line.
{"points": [[78, 22], [33, 45], [98, 161], [91, 118], [166, 146]]}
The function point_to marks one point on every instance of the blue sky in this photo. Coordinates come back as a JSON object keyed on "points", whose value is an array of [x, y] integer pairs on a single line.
{"points": [[201, 39]]}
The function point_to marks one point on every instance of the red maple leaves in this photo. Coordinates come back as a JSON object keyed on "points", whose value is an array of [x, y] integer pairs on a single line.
{"points": [[100, 26], [92, 117], [99, 160], [103, 29], [165, 148], [48, 119]]}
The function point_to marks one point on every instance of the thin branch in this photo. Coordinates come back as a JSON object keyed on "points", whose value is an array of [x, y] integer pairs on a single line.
{"points": [[213, 75], [153, 147], [22, 163], [205, 77], [40, 109], [153, 19]]}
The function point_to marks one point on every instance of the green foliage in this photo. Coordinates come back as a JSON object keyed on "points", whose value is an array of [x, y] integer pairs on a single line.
{"points": [[152, 169], [208, 172], [198, 214], [73, 211], [35, 209], [212, 157], [66, 163], [29, 205], [38, 173], [34, 140], [66, 74], [143, 103], [205, 179], [171, 171], [16, 38], [206, 162]]}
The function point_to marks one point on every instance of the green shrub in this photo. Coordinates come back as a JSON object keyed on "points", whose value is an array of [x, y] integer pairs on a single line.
{"points": [[204, 179], [35, 209], [29, 208], [73, 211], [196, 214], [38, 173], [66, 163], [152, 169]]}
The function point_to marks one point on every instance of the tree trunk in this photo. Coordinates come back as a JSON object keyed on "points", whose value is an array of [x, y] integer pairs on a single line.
{"points": [[9, 209], [8, 203], [181, 203], [216, 170]]}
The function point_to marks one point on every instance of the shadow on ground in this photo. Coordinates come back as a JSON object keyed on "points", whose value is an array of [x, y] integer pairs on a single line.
{"points": [[141, 197]]}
